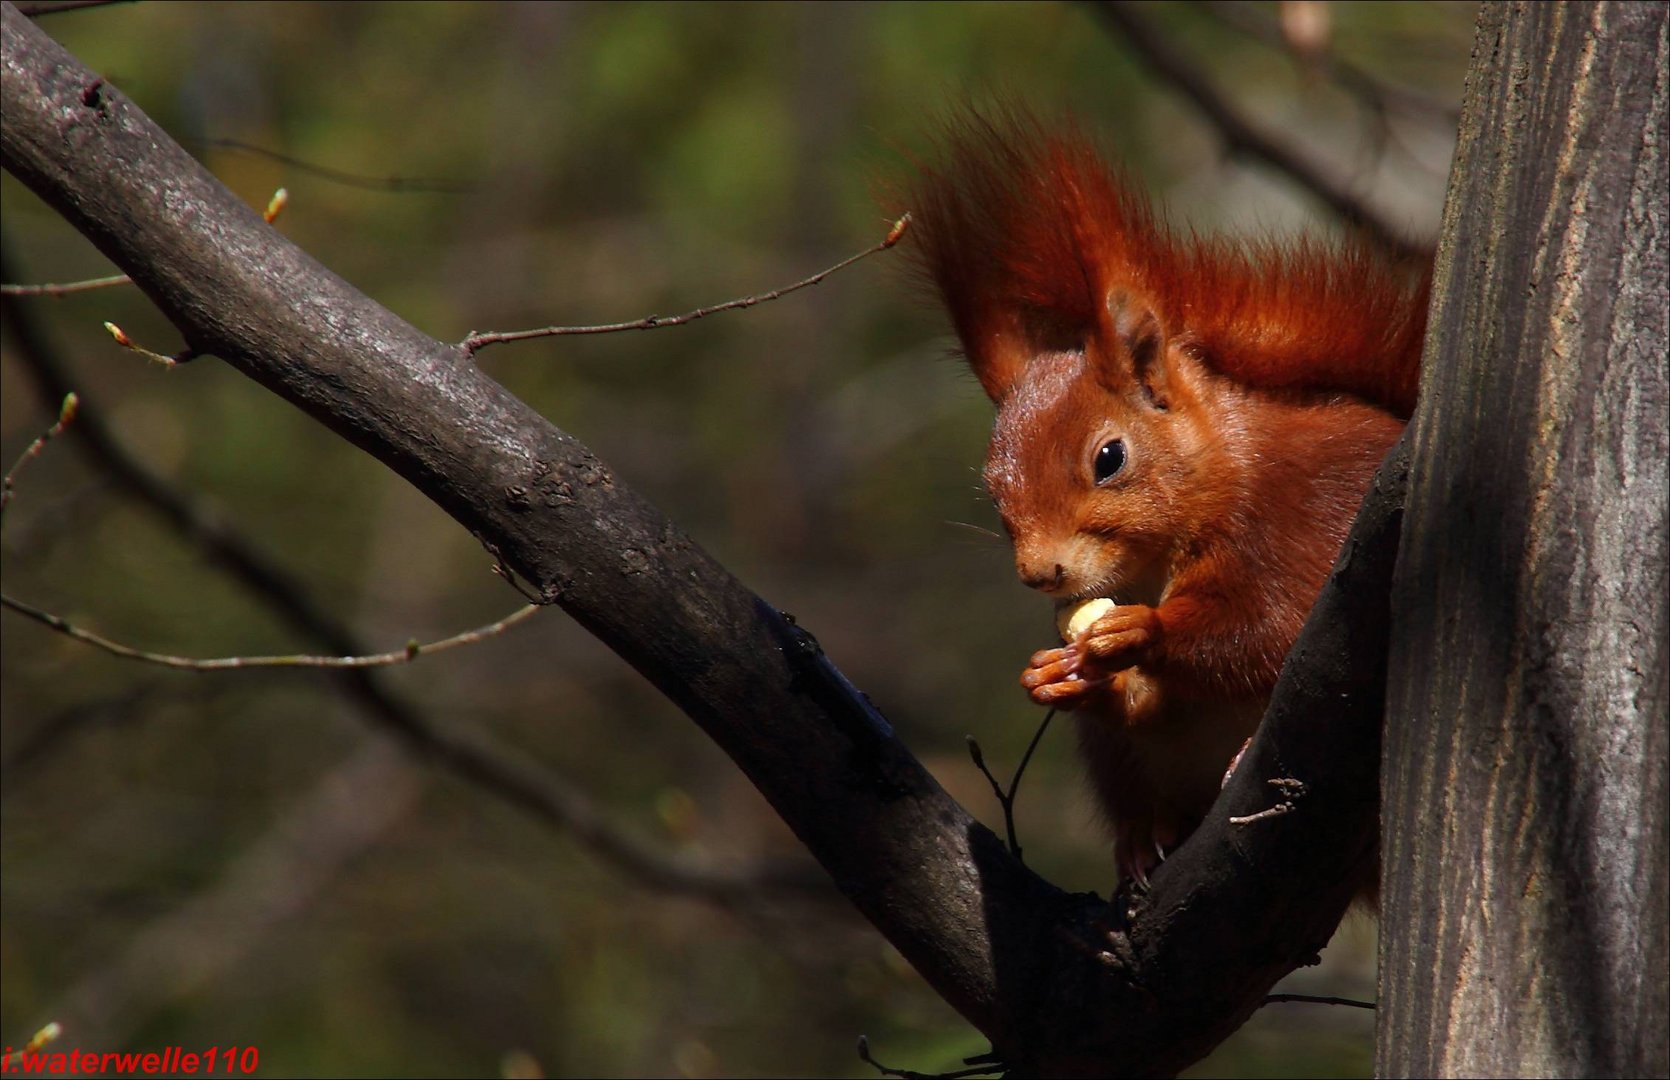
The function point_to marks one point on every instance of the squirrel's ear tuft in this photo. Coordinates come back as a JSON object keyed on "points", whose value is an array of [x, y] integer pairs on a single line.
{"points": [[1132, 356], [1018, 226], [998, 356]]}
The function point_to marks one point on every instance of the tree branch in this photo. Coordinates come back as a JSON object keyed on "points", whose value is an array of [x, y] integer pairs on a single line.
{"points": [[1376, 94], [255, 663], [1242, 136], [474, 758], [1230, 913], [477, 340]]}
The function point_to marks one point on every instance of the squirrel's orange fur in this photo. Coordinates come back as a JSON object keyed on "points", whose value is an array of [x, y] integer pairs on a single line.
{"points": [[1186, 426]]}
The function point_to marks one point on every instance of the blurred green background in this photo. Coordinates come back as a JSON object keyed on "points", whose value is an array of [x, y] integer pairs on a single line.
{"points": [[239, 859]]}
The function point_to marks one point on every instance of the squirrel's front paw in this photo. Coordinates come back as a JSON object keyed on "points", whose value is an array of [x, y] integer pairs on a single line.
{"points": [[1122, 638], [1055, 677]]}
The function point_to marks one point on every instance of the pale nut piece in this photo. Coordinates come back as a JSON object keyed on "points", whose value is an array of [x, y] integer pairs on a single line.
{"points": [[1071, 620]]}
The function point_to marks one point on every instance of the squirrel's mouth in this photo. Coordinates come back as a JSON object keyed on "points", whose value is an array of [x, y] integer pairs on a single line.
{"points": [[1064, 602], [1119, 590]]}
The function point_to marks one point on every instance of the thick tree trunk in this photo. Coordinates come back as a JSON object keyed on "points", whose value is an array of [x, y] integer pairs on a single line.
{"points": [[1524, 929]]}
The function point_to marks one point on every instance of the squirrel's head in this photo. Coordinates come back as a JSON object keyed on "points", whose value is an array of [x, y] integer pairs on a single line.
{"points": [[1105, 451], [1125, 357], [1072, 304]]}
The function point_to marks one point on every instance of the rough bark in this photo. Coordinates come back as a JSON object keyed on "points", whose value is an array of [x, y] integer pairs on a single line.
{"points": [[1229, 914], [1525, 901]]}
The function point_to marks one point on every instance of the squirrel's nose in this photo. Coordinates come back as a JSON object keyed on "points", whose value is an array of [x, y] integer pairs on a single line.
{"points": [[1043, 574]]}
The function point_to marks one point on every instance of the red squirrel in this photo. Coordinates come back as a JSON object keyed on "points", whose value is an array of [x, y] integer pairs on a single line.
{"points": [[1184, 425]]}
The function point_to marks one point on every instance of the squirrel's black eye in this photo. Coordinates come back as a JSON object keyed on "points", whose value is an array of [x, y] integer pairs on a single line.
{"points": [[1109, 460]]}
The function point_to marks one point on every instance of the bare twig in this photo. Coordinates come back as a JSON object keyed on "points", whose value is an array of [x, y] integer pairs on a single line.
{"points": [[907, 1074], [1243, 136], [1276, 999], [413, 649], [275, 207], [1007, 799], [67, 287], [122, 339], [1291, 791], [509, 577], [411, 652], [342, 176], [36, 1041], [476, 341], [66, 413]]}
